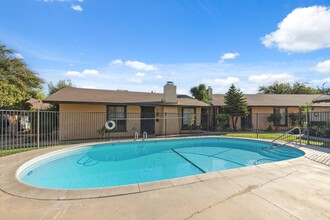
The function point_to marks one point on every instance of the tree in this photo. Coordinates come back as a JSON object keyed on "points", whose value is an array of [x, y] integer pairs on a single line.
{"points": [[54, 88], [18, 83], [275, 88], [222, 119], [323, 90], [59, 85], [287, 88], [235, 105], [275, 118], [199, 92], [303, 88]]}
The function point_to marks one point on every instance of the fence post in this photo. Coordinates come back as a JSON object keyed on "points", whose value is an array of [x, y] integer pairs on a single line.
{"points": [[165, 123], [38, 128], [208, 122], [257, 125], [308, 127]]}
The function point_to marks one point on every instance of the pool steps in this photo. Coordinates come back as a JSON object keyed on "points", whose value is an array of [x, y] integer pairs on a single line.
{"points": [[278, 151]]}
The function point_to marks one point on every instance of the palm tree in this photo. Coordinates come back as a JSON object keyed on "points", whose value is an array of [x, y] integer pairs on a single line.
{"points": [[199, 92]]}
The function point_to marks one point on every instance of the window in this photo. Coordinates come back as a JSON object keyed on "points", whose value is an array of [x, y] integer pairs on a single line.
{"points": [[283, 121], [188, 118], [118, 115]]}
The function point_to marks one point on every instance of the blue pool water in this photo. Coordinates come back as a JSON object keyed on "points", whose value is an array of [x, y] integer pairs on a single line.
{"points": [[136, 162]]}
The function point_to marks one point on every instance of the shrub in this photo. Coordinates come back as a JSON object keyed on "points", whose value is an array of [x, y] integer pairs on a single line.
{"points": [[223, 118], [102, 131], [269, 128], [275, 118], [318, 123], [320, 129], [294, 119]]}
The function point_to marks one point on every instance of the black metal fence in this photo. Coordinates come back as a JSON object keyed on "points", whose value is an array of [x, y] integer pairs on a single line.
{"points": [[25, 130], [315, 126]]}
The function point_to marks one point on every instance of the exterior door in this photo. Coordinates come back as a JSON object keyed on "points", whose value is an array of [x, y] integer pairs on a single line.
{"points": [[148, 120]]}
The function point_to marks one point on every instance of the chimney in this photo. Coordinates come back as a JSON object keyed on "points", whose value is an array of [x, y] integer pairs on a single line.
{"points": [[210, 92], [169, 95]]}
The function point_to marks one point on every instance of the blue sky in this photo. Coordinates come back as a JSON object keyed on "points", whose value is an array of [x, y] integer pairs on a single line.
{"points": [[140, 44]]}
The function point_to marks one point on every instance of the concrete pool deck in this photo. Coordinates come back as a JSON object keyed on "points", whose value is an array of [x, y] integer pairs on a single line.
{"points": [[292, 189]]}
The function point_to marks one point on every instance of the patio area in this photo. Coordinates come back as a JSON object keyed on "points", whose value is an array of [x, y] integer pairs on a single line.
{"points": [[293, 189]]}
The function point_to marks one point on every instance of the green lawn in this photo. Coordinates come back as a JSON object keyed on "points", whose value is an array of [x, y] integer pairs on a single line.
{"points": [[272, 136], [14, 151]]}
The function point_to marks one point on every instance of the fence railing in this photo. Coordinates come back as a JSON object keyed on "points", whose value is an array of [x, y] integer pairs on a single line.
{"points": [[25, 130]]}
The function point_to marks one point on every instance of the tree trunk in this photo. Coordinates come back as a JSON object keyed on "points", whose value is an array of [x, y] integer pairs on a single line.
{"points": [[236, 122], [233, 122]]}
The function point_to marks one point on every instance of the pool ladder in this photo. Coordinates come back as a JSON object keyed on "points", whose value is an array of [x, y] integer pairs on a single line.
{"points": [[136, 136], [145, 135]]}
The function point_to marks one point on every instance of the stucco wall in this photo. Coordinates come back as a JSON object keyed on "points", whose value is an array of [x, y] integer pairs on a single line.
{"points": [[159, 122], [173, 120], [264, 112], [82, 121], [260, 115], [321, 109]]}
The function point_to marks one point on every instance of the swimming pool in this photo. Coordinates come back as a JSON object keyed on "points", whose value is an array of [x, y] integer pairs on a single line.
{"points": [[116, 164]]}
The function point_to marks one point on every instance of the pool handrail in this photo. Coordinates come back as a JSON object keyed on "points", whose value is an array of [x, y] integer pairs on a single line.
{"points": [[287, 132], [145, 135], [136, 136]]}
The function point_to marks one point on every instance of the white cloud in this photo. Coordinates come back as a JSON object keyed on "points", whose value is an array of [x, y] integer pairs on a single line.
{"points": [[140, 74], [269, 78], [134, 64], [116, 62], [319, 82], [86, 72], [187, 75], [90, 72], [227, 82], [74, 74], [88, 87], [140, 65], [76, 7], [248, 89], [323, 67], [136, 80], [303, 30], [228, 56], [18, 56]]}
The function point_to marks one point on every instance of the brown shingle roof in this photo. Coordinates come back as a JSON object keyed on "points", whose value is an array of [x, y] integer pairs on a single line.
{"points": [[274, 100], [322, 99], [36, 104], [97, 96]]}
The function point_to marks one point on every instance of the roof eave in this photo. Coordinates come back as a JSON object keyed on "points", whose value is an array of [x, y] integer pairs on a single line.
{"points": [[124, 103]]}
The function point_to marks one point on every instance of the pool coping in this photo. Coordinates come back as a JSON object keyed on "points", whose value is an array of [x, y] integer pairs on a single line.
{"points": [[12, 186]]}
